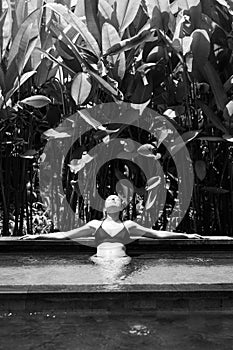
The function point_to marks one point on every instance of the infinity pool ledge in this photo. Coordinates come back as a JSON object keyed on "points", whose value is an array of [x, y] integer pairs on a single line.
{"points": [[140, 243], [116, 288], [91, 301]]}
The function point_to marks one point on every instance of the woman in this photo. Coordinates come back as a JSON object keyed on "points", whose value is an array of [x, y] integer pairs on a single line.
{"points": [[112, 234]]}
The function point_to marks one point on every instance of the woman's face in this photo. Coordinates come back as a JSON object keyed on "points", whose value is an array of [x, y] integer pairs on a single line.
{"points": [[113, 204]]}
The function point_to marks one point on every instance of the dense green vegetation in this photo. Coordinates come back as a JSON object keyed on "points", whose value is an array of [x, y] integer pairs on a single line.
{"points": [[172, 57]]}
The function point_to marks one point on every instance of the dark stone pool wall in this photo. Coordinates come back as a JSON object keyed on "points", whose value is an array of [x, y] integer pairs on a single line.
{"points": [[145, 301]]}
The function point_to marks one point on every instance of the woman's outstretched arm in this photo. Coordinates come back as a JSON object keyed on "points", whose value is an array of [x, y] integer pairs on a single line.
{"points": [[138, 230], [84, 231]]}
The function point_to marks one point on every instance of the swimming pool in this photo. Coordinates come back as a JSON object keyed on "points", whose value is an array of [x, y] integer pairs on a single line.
{"points": [[52, 268], [77, 331], [53, 297]]}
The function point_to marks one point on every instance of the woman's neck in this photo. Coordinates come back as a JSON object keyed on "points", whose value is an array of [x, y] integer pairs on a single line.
{"points": [[113, 217]]}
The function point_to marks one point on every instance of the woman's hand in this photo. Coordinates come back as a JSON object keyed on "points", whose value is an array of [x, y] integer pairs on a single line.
{"points": [[194, 236], [29, 237]]}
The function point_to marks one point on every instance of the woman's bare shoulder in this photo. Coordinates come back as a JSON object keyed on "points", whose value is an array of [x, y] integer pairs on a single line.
{"points": [[130, 224], [94, 223]]}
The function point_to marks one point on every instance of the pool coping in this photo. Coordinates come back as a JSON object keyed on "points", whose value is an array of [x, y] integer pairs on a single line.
{"points": [[116, 301], [117, 288], [139, 245]]}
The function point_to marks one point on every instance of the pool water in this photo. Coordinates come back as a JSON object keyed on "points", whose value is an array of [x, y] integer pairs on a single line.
{"points": [[103, 331], [73, 269], [98, 321]]}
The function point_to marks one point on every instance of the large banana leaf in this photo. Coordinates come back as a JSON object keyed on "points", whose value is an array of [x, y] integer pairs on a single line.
{"points": [[12, 11], [152, 195], [18, 44], [216, 85], [211, 115], [18, 83], [69, 40], [43, 70], [34, 18], [27, 45], [215, 190], [53, 59], [225, 3], [186, 137], [91, 10], [187, 4], [81, 87], [170, 44], [2, 21], [143, 89], [79, 10], [128, 44], [211, 138], [111, 37], [106, 10], [76, 23], [104, 84], [2, 79], [85, 115], [178, 33], [126, 11], [159, 12], [228, 137], [2, 18], [6, 34], [228, 83], [228, 111], [36, 101], [21, 12], [200, 169], [111, 2], [63, 45], [33, 5], [155, 187], [200, 46], [195, 9]]}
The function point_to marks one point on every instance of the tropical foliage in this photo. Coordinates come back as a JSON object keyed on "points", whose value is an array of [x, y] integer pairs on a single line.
{"points": [[172, 57]]}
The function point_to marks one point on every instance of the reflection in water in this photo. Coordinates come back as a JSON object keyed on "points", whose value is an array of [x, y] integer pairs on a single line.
{"points": [[112, 270], [115, 270], [78, 269], [139, 329]]}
